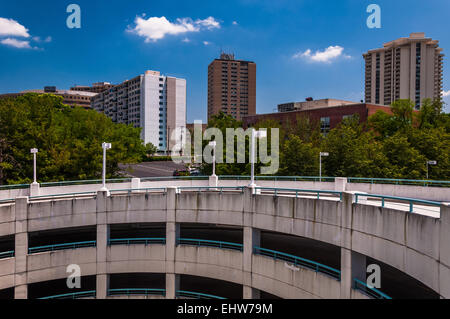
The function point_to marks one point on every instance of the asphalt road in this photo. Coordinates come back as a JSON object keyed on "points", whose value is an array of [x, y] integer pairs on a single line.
{"points": [[151, 169]]}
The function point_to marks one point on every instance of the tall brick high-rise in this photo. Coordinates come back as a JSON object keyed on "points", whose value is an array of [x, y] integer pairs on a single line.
{"points": [[231, 87]]}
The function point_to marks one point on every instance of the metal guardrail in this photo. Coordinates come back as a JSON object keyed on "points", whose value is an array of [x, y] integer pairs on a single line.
{"points": [[83, 182], [7, 254], [297, 191], [197, 295], [7, 200], [146, 189], [416, 182], [14, 186], [220, 189], [411, 201], [209, 243], [94, 193], [73, 295], [136, 291], [137, 241], [372, 292], [165, 178], [278, 178], [298, 261], [81, 244]]}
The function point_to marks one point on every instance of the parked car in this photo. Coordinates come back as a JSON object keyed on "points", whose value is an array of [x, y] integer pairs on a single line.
{"points": [[181, 172]]}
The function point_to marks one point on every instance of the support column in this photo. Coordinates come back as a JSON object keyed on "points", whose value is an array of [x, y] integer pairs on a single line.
{"points": [[251, 293], [252, 238], [102, 280], [21, 248], [444, 251], [213, 181], [135, 183], [35, 189], [346, 273], [359, 267], [340, 184], [346, 208], [172, 285], [172, 233]]}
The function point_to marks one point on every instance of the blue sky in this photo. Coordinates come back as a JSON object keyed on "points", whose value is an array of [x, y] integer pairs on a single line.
{"points": [[274, 34]]}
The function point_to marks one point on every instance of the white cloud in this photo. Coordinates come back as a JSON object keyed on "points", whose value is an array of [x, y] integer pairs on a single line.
{"points": [[446, 93], [46, 40], [235, 23], [20, 44], [206, 43], [186, 40], [210, 23], [326, 56], [10, 27], [154, 28]]}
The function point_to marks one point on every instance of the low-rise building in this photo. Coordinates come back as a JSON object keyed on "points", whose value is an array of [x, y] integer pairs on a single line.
{"points": [[328, 117], [70, 97]]}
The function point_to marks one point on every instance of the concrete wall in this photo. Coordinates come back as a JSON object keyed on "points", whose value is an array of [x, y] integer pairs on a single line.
{"points": [[418, 192], [412, 243]]}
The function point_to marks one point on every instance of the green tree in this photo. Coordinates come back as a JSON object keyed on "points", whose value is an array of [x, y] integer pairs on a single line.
{"points": [[150, 149], [299, 158], [354, 152], [406, 161], [68, 138]]}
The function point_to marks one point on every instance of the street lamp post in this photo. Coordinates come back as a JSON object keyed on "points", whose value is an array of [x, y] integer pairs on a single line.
{"points": [[34, 152], [105, 146], [430, 163], [320, 163], [255, 135], [213, 145]]}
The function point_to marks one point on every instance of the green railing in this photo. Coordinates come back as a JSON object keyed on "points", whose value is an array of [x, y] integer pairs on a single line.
{"points": [[168, 178], [84, 182], [212, 188], [7, 254], [371, 291], [81, 244], [136, 291], [147, 190], [137, 241], [412, 182], [209, 243], [73, 295], [93, 193], [418, 182], [411, 201], [196, 295], [298, 261], [278, 178], [316, 193], [7, 200], [14, 186]]}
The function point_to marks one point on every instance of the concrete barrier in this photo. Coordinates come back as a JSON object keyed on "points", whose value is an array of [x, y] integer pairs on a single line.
{"points": [[412, 243]]}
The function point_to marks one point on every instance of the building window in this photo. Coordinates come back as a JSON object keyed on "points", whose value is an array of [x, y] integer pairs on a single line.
{"points": [[418, 62], [324, 125]]}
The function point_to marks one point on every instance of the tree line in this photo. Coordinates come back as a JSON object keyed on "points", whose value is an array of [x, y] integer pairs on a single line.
{"points": [[69, 140], [396, 145]]}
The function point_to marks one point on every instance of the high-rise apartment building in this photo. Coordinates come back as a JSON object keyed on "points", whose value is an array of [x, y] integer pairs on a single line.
{"points": [[406, 68], [154, 102], [231, 87]]}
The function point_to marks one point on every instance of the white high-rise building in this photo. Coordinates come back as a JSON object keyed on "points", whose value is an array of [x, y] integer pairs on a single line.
{"points": [[406, 68], [154, 102]]}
